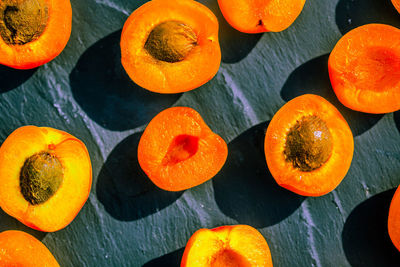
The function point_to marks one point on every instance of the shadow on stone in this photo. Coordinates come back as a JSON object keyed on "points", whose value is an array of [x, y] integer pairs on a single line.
{"points": [[102, 88], [365, 237], [351, 14], [396, 116], [172, 259], [235, 45], [11, 78], [9, 223], [313, 78], [124, 189], [245, 190]]}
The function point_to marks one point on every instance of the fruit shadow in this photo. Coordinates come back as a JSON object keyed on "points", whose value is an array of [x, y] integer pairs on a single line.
{"points": [[365, 237], [172, 259], [11, 78], [313, 78], [245, 189], [351, 14], [9, 223], [396, 116], [124, 189], [235, 45], [105, 92]]}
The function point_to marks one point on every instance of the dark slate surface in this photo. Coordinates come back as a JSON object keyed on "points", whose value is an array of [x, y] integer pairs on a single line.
{"points": [[127, 221]]}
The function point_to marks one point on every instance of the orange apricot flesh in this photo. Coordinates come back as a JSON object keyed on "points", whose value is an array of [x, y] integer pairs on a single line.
{"points": [[234, 246], [178, 150], [31, 159], [308, 146], [364, 69], [394, 219], [256, 16], [171, 46], [20, 249]]}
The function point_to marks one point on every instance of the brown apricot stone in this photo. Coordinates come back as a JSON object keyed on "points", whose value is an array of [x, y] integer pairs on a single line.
{"points": [[171, 41], [22, 21], [308, 143], [40, 178]]}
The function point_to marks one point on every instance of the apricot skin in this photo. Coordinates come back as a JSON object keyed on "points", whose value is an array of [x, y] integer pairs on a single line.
{"points": [[394, 219], [19, 249], [234, 246], [62, 207]]}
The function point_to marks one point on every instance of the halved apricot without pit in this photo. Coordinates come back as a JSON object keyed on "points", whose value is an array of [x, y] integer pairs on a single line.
{"points": [[233, 246], [308, 146], [45, 177], [178, 150], [33, 32], [394, 219], [20, 249], [255, 16], [364, 68], [171, 46]]}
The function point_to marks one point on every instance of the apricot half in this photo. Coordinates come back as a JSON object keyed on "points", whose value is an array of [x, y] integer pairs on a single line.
{"points": [[45, 177], [178, 150], [33, 32], [20, 249], [255, 16], [308, 146], [233, 246], [394, 219], [364, 69], [171, 46]]}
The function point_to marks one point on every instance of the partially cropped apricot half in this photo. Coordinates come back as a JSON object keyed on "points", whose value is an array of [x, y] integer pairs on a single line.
{"points": [[394, 219], [233, 246], [252, 16], [396, 4], [171, 46], [45, 177], [33, 32], [308, 146], [178, 150], [364, 68], [20, 249]]}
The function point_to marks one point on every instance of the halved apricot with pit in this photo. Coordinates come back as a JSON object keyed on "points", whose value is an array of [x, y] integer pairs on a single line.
{"points": [[178, 150], [33, 32], [255, 16], [45, 177], [20, 249], [233, 246], [394, 219], [308, 146], [171, 46], [364, 69], [396, 4]]}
